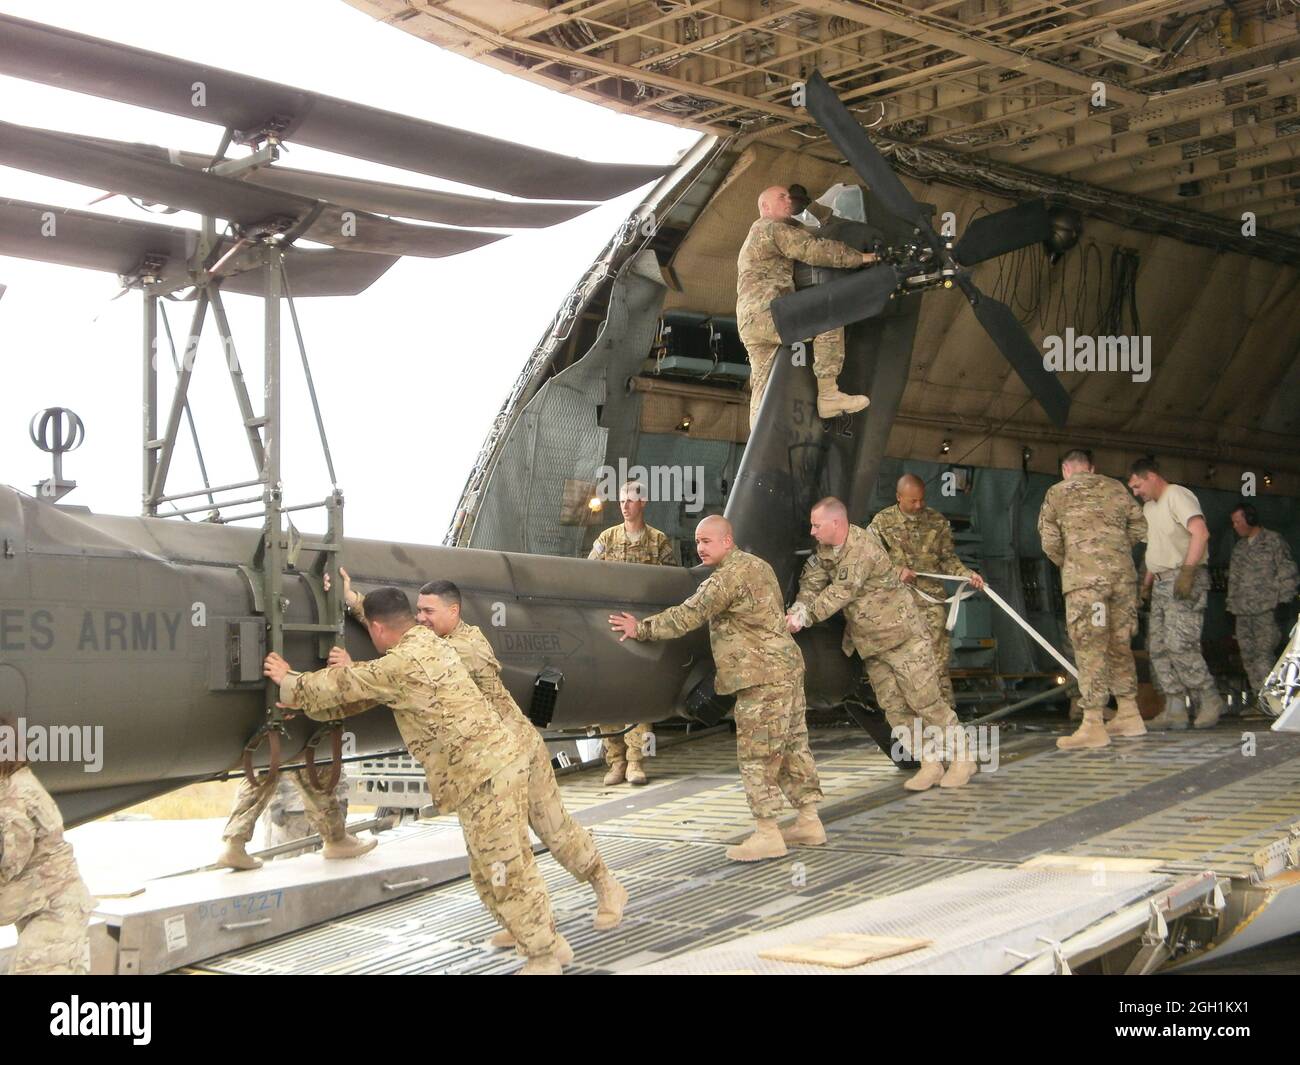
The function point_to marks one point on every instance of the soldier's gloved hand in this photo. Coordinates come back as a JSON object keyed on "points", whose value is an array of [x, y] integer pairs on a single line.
{"points": [[797, 617], [799, 199], [1183, 584]]}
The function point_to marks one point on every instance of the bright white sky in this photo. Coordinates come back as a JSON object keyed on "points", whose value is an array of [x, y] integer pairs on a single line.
{"points": [[409, 374]]}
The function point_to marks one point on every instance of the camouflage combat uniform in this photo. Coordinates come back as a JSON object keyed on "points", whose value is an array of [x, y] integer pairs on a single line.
{"points": [[1174, 625], [474, 764], [757, 659], [1089, 525], [568, 841], [325, 812], [41, 891], [1262, 574], [653, 549], [923, 542], [882, 624], [766, 271]]}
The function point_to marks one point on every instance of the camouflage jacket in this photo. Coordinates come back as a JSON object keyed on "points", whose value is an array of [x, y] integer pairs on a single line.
{"points": [[654, 548], [1261, 575], [36, 862], [766, 270], [922, 542], [477, 657], [443, 718], [862, 580], [1089, 525], [742, 604]]}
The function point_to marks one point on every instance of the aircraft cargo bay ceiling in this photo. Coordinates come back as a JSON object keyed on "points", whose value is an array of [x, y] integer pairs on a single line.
{"points": [[979, 106]]}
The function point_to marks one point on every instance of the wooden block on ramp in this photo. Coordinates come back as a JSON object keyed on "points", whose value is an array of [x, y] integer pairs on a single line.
{"points": [[845, 950]]}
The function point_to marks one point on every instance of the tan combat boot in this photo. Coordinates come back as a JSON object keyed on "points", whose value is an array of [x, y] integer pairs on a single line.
{"points": [[616, 775], [635, 774], [1173, 716], [348, 847], [959, 773], [805, 830], [831, 401], [1211, 707], [551, 964], [1092, 733], [236, 857], [503, 939], [766, 842], [1127, 721], [611, 897], [927, 777]]}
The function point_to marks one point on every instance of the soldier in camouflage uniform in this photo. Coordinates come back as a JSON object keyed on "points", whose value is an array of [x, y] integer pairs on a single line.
{"points": [[1261, 576], [851, 571], [919, 540], [757, 660], [326, 813], [1089, 525], [766, 271], [1178, 543], [633, 541], [438, 609], [41, 891], [474, 764]]}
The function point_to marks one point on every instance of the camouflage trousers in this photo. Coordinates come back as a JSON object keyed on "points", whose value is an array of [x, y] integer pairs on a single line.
{"points": [[324, 812], [1258, 636], [935, 617], [906, 682], [630, 747], [570, 843], [1101, 620], [762, 346], [772, 747], [494, 818], [54, 941], [1174, 636]]}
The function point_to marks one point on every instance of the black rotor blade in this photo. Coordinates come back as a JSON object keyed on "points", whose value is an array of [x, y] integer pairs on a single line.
{"points": [[855, 145], [996, 234], [36, 52], [101, 164], [91, 241], [381, 197], [1014, 343], [811, 311]]}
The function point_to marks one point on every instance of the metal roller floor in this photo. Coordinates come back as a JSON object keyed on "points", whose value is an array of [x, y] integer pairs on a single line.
{"points": [[1184, 801]]}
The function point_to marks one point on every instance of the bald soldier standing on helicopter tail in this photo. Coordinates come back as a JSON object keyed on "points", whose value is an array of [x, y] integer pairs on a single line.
{"points": [[474, 764], [633, 541], [438, 609], [766, 271], [41, 890], [851, 571], [1089, 525], [755, 658], [919, 540]]}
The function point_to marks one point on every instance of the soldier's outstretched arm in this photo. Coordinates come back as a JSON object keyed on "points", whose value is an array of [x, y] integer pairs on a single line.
{"points": [[796, 243], [710, 599], [343, 691], [838, 593], [812, 582], [1286, 572]]}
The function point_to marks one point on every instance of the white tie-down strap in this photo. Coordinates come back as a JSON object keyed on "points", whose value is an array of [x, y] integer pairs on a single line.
{"points": [[964, 591]]}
